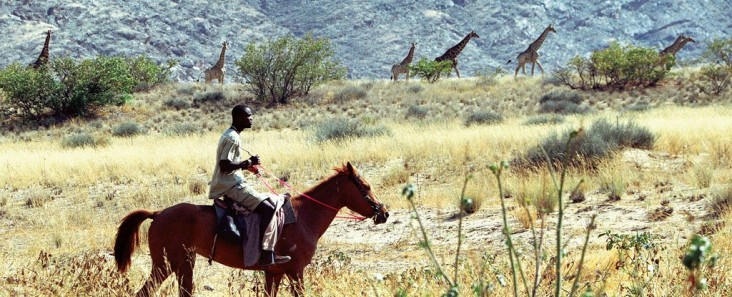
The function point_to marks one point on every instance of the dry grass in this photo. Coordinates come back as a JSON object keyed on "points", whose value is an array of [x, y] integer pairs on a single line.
{"points": [[60, 207]]}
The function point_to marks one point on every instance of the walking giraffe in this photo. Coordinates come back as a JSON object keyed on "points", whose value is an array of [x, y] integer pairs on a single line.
{"points": [[403, 67], [43, 57], [674, 48], [531, 54], [453, 52], [217, 71]]}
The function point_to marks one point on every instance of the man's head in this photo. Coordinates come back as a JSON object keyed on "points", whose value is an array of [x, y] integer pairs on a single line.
{"points": [[241, 117]]}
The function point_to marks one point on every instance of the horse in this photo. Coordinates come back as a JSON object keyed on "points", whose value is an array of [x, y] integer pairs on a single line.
{"points": [[179, 232]]}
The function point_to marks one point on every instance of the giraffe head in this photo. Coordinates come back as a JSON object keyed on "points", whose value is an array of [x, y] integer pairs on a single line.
{"points": [[473, 34], [550, 28], [689, 39], [225, 44]]}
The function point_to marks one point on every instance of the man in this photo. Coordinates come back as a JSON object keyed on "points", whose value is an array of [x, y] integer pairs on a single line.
{"points": [[228, 181]]}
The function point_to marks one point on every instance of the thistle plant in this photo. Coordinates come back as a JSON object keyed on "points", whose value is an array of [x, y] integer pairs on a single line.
{"points": [[698, 256]]}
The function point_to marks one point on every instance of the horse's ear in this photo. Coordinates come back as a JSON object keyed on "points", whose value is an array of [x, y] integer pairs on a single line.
{"points": [[351, 170]]}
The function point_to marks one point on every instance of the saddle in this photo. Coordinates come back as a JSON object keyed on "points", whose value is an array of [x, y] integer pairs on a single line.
{"points": [[235, 224]]}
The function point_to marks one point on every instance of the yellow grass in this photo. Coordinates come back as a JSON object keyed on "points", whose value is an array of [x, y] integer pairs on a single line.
{"points": [[85, 192]]}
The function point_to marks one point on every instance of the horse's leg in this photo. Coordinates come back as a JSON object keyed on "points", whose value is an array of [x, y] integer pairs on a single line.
{"points": [[297, 287], [159, 272], [272, 283], [184, 272]]}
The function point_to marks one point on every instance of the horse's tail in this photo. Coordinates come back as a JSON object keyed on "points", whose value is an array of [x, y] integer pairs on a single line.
{"points": [[128, 237]]}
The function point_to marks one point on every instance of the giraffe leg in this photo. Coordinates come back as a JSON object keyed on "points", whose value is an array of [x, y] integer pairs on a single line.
{"points": [[457, 71], [407, 74], [532, 68], [515, 74], [540, 68]]}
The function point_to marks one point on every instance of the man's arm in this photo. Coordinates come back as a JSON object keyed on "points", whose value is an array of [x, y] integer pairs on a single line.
{"points": [[227, 165]]}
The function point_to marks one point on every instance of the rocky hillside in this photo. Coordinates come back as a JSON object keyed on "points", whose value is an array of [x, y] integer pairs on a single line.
{"points": [[369, 36]]}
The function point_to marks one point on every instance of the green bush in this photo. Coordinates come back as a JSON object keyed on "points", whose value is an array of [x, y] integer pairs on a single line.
{"points": [[350, 93], [483, 118], [602, 139], [282, 69], [128, 129], [183, 129], [209, 97], [27, 92], [79, 140], [177, 103], [562, 102], [545, 119], [148, 74], [71, 88], [417, 111], [615, 68], [719, 51], [430, 70], [343, 128]]}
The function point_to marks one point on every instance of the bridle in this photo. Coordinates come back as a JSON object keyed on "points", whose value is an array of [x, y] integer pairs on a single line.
{"points": [[375, 206]]}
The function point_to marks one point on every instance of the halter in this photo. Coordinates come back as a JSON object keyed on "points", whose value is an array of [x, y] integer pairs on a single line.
{"points": [[375, 206]]}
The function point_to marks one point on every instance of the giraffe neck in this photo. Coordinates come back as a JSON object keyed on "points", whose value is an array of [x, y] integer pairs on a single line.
{"points": [[534, 46], [220, 63], [675, 47], [43, 57], [409, 58], [454, 51]]}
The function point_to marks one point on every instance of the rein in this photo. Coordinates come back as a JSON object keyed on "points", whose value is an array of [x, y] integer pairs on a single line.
{"points": [[285, 184]]}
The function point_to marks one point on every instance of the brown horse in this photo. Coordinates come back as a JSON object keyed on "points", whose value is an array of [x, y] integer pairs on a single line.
{"points": [[179, 232]]}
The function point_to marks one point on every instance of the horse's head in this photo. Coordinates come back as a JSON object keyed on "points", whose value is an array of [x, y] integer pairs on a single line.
{"points": [[366, 204]]}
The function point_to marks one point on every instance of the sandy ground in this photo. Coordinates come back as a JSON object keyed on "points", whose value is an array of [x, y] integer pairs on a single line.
{"points": [[668, 210]]}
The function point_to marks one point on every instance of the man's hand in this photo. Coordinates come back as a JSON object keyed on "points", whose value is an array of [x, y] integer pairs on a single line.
{"points": [[254, 160]]}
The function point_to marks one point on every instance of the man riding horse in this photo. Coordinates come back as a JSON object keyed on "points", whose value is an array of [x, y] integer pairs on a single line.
{"points": [[228, 181]]}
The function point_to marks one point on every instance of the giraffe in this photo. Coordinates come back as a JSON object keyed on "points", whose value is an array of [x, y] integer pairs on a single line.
{"points": [[453, 52], [674, 48], [217, 70], [403, 67], [43, 57], [531, 54]]}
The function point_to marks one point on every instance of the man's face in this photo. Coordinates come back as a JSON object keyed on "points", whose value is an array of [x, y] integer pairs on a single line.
{"points": [[246, 118]]}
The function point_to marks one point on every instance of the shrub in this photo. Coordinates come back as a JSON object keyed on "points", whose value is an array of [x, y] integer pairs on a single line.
{"points": [[483, 118], [602, 139], [288, 67], [719, 51], [350, 93], [128, 129], [721, 202], [67, 87], [638, 107], [209, 97], [489, 77], [615, 68], [430, 70], [545, 119], [27, 92], [562, 102], [148, 74], [177, 103], [183, 129], [417, 111], [415, 88], [79, 140], [343, 128], [714, 79]]}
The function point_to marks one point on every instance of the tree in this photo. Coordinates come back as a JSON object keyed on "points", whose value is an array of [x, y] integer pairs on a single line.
{"points": [[278, 70]]}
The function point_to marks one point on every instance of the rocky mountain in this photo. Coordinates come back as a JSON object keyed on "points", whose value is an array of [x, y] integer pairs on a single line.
{"points": [[369, 36]]}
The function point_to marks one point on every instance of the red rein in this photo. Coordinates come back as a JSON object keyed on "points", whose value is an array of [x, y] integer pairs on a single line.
{"points": [[285, 184]]}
